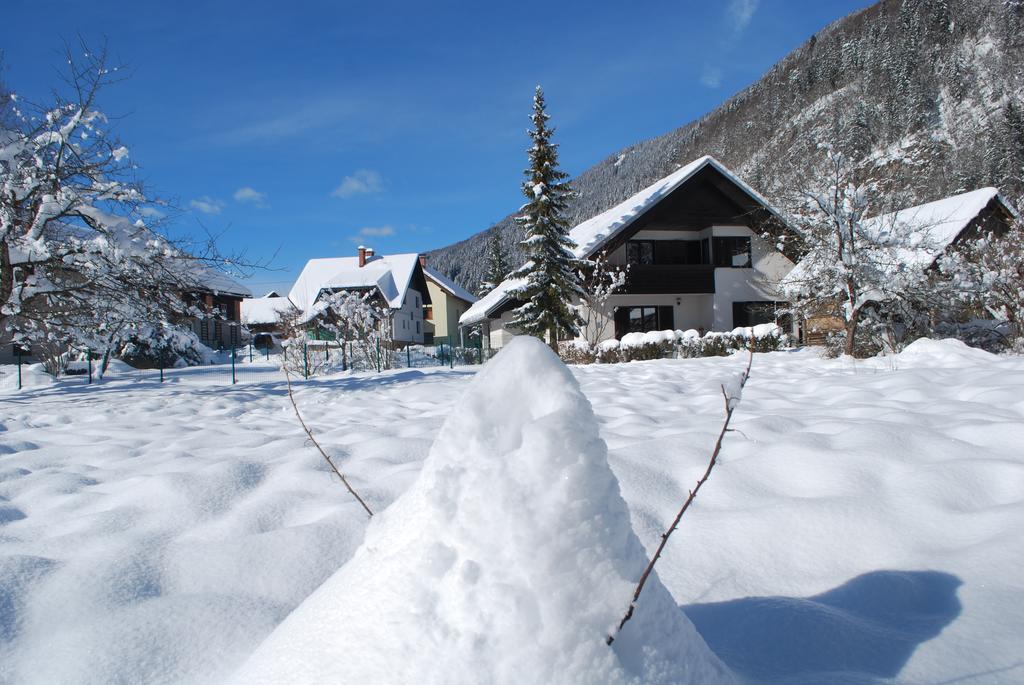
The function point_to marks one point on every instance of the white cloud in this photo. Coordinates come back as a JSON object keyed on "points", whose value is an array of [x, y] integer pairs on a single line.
{"points": [[207, 205], [361, 182], [711, 77], [251, 196], [152, 213], [741, 12], [376, 231], [372, 232]]}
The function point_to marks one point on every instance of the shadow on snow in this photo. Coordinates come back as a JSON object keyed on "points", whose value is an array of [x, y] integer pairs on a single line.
{"points": [[859, 632]]}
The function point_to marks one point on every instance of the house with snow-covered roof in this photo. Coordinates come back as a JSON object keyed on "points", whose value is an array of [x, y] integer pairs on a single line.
{"points": [[696, 258], [448, 302], [396, 281], [219, 297], [920, 235]]}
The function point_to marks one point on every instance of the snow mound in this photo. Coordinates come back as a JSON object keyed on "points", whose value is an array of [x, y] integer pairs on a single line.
{"points": [[32, 376], [509, 560], [942, 354]]}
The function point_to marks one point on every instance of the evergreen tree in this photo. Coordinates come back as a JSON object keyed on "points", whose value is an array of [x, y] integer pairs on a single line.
{"points": [[497, 268], [552, 272]]}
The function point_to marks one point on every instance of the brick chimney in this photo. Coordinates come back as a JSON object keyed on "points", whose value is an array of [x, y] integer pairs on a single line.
{"points": [[423, 261], [362, 256]]}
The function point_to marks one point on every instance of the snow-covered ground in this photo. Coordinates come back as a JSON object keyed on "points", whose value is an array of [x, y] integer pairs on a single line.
{"points": [[864, 524]]}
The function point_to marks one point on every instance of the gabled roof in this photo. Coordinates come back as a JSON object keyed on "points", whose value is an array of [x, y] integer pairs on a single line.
{"points": [[265, 310], [927, 230], [591, 235], [390, 274], [453, 288]]}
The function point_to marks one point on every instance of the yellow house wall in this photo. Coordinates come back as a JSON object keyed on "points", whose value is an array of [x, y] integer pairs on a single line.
{"points": [[446, 310]]}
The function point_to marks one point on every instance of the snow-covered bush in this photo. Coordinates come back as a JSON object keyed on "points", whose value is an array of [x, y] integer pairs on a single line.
{"points": [[668, 344]]}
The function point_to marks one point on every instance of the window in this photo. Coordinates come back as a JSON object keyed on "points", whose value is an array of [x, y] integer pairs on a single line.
{"points": [[732, 252], [417, 328], [417, 300], [642, 319], [754, 313], [640, 252], [428, 312]]}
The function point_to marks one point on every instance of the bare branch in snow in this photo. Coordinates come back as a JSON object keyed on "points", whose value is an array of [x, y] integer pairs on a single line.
{"points": [[730, 406]]}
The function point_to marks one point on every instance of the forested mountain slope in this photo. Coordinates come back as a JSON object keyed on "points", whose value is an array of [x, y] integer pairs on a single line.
{"points": [[926, 95]]}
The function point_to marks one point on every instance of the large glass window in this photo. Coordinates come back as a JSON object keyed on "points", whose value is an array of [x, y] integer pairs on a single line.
{"points": [[642, 319], [732, 252]]}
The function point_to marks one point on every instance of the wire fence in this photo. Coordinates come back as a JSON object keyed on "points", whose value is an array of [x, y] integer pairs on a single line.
{"points": [[247, 364]]}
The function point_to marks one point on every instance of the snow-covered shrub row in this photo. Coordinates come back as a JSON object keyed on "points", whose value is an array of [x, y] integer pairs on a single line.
{"points": [[663, 344]]}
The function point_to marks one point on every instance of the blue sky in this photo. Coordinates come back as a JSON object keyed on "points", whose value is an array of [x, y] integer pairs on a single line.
{"points": [[302, 129]]}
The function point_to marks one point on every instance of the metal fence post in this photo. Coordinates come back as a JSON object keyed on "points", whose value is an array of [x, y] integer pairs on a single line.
{"points": [[305, 359], [19, 367], [88, 356], [250, 353], [161, 373], [378, 355], [233, 354], [408, 357]]}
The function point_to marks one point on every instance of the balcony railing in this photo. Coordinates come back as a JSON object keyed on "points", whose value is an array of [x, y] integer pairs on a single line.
{"points": [[647, 279]]}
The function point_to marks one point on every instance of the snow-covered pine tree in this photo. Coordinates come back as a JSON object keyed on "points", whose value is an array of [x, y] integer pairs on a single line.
{"points": [[497, 268], [552, 270]]}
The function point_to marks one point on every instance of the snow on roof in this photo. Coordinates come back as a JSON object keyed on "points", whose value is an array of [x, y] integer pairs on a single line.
{"points": [[590, 235], [264, 310], [921, 233], [390, 274], [482, 307], [928, 229], [451, 286], [218, 282]]}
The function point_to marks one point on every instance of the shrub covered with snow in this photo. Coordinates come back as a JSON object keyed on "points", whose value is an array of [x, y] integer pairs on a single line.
{"points": [[670, 344], [509, 560]]}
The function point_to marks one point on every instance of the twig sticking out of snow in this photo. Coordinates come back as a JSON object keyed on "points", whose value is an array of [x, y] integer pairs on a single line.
{"points": [[730, 406], [320, 449]]}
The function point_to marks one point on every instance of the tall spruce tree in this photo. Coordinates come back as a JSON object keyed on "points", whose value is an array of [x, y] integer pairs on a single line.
{"points": [[552, 270], [497, 268]]}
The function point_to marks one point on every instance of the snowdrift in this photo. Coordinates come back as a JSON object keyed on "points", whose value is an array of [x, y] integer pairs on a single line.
{"points": [[509, 560]]}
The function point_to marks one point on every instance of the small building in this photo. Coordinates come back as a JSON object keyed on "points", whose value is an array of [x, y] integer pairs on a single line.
{"points": [[220, 298], [448, 302], [695, 254], [396, 281], [265, 316]]}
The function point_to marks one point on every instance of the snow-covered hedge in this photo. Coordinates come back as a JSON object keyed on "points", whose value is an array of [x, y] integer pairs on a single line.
{"points": [[673, 344]]}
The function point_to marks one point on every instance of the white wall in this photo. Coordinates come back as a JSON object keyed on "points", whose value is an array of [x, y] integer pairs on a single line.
{"points": [[747, 285], [406, 318]]}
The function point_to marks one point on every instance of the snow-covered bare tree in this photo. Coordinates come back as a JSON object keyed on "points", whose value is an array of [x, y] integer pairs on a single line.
{"points": [[986, 274], [852, 269], [497, 267], [79, 264], [552, 270], [357, 324], [600, 280]]}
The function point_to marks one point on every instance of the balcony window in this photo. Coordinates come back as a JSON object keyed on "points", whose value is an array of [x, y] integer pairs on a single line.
{"points": [[640, 252], [732, 252]]}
